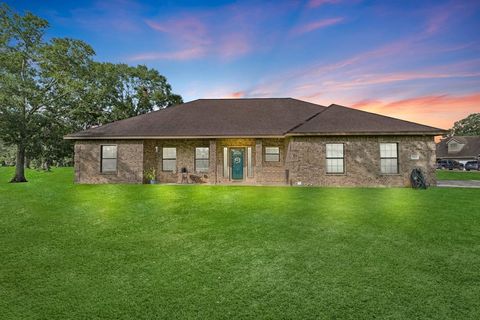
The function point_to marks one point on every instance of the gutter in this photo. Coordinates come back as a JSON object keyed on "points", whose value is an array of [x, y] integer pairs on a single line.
{"points": [[257, 137]]}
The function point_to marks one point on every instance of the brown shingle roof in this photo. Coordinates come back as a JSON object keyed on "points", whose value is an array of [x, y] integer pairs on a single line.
{"points": [[259, 117], [342, 120], [471, 148]]}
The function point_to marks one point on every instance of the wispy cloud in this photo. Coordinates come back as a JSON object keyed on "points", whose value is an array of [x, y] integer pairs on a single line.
{"points": [[315, 25], [226, 32], [187, 29], [318, 3], [185, 54], [104, 16]]}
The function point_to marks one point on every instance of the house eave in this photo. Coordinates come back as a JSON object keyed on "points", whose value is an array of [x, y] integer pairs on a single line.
{"points": [[254, 136], [409, 133], [171, 137]]}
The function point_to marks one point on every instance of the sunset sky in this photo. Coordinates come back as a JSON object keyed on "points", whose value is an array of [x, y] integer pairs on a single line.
{"points": [[416, 60]]}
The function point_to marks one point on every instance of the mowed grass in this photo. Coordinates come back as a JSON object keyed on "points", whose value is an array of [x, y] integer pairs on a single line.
{"points": [[457, 175], [221, 252]]}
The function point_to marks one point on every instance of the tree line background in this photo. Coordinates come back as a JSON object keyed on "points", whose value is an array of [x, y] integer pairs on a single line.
{"points": [[52, 87]]}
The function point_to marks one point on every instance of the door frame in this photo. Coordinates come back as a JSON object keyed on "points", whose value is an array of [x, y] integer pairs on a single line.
{"points": [[244, 163]]}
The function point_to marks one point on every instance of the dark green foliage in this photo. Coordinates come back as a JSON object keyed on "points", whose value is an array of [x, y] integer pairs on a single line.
{"points": [[119, 91], [7, 155], [51, 88], [214, 252], [470, 126], [39, 82]]}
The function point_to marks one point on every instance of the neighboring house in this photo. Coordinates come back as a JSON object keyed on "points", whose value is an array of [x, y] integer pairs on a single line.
{"points": [[277, 141], [459, 148]]}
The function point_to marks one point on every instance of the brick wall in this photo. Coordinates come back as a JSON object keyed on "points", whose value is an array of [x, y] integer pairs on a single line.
{"points": [[129, 162], [185, 159], [306, 160], [302, 160]]}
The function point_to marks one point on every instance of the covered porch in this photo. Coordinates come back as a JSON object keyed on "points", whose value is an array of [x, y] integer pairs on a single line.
{"points": [[217, 161]]}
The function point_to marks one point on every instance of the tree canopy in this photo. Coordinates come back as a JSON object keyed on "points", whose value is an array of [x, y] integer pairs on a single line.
{"points": [[49, 88], [470, 126]]}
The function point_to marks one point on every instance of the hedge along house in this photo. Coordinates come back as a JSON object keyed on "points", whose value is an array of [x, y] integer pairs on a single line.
{"points": [[279, 141]]}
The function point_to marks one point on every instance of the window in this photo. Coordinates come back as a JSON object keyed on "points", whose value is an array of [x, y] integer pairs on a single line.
{"points": [[454, 146], [389, 157], [202, 156], [272, 154], [109, 159], [335, 158], [169, 159]]}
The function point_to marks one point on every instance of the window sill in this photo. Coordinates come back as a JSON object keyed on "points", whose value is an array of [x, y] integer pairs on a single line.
{"points": [[335, 174], [390, 174], [109, 173]]}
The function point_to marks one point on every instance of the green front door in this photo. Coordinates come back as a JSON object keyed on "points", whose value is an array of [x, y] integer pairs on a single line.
{"points": [[237, 164]]}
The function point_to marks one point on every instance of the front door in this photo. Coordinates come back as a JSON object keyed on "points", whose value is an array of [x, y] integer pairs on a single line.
{"points": [[237, 164]]}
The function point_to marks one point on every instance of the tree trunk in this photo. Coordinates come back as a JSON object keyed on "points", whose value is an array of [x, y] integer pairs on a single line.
{"points": [[20, 165], [46, 165]]}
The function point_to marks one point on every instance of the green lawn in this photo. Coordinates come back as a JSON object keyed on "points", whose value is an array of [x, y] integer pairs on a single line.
{"points": [[457, 175], [211, 252]]}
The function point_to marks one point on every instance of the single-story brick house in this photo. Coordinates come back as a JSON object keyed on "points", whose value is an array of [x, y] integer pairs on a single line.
{"points": [[279, 141], [459, 148]]}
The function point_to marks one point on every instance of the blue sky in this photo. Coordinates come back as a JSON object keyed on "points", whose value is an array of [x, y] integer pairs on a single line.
{"points": [[416, 60]]}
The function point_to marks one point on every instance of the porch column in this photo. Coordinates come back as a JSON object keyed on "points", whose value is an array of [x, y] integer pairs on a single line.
{"points": [[257, 172], [212, 165]]}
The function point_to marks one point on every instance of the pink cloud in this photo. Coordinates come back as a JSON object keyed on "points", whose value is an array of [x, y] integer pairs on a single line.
{"points": [[233, 45], [187, 30], [437, 21], [195, 38], [435, 110], [237, 94], [315, 25], [318, 3], [185, 54]]}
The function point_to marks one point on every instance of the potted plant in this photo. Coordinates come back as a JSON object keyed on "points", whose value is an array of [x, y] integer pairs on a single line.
{"points": [[151, 176]]}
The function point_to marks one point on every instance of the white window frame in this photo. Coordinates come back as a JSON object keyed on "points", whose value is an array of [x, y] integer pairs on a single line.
{"points": [[266, 154], [169, 159], [102, 158], [382, 170], [202, 159], [327, 157]]}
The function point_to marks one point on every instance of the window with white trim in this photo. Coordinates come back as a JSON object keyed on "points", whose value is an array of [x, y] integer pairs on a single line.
{"points": [[272, 154], [109, 159], [335, 158], [389, 158], [202, 159], [169, 159]]}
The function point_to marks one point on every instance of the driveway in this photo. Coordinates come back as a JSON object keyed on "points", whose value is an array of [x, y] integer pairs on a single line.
{"points": [[459, 183]]}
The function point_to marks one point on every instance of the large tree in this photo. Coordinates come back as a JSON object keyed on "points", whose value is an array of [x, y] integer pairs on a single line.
{"points": [[50, 88], [470, 126], [119, 91], [38, 79]]}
